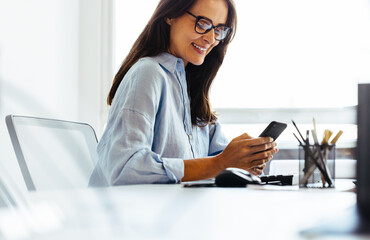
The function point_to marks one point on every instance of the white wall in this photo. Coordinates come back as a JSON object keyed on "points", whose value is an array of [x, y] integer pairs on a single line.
{"points": [[51, 63]]}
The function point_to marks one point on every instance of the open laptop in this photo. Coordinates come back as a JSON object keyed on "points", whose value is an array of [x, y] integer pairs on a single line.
{"points": [[355, 220]]}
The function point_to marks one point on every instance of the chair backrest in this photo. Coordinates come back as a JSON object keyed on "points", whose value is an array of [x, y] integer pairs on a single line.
{"points": [[11, 195], [51, 153]]}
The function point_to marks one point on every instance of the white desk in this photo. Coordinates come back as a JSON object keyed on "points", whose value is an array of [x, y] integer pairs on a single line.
{"points": [[175, 212]]}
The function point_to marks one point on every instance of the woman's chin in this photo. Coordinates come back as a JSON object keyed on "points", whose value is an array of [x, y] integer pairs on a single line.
{"points": [[197, 62]]}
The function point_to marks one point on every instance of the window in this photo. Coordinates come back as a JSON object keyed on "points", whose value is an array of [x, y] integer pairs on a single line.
{"points": [[131, 18], [286, 53], [291, 54]]}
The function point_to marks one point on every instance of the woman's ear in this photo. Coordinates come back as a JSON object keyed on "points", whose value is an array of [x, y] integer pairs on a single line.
{"points": [[169, 21]]}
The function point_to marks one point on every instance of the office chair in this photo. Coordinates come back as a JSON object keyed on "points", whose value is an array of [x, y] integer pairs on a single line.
{"points": [[51, 153], [11, 195]]}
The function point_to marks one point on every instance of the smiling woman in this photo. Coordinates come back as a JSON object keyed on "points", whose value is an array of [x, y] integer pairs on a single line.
{"points": [[161, 128], [289, 59]]}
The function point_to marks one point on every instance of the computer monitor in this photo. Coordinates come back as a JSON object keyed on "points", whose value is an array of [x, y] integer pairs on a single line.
{"points": [[363, 151]]}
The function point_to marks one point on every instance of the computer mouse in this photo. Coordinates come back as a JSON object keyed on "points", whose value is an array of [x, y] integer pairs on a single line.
{"points": [[235, 177]]}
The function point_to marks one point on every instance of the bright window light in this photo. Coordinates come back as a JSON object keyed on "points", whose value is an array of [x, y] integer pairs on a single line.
{"points": [[286, 53]]}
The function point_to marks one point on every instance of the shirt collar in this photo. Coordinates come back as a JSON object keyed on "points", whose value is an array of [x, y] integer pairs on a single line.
{"points": [[169, 62]]}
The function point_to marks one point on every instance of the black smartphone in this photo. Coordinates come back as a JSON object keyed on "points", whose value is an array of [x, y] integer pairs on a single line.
{"points": [[274, 129]]}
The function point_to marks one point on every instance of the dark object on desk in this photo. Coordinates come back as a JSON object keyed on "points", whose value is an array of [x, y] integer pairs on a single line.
{"points": [[235, 177], [227, 178], [363, 151], [283, 180], [274, 129]]}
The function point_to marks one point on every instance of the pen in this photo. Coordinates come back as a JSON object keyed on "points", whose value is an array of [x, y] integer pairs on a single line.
{"points": [[335, 139], [327, 135], [298, 130], [300, 143], [315, 137], [308, 137], [314, 126]]}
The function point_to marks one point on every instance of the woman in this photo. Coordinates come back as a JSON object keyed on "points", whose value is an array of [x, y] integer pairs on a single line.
{"points": [[161, 128]]}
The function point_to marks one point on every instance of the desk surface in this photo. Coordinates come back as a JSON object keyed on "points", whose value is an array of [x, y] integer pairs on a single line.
{"points": [[175, 212]]}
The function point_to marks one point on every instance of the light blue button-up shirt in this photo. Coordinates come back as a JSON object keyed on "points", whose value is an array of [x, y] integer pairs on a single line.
{"points": [[149, 132]]}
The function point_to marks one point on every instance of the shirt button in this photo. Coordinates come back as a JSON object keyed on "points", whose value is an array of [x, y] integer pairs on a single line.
{"points": [[190, 136]]}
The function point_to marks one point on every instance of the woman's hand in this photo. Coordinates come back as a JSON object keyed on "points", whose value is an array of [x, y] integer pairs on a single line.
{"points": [[244, 152], [248, 153], [257, 170]]}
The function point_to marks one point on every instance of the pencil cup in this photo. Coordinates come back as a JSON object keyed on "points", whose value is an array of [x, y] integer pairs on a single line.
{"points": [[316, 166]]}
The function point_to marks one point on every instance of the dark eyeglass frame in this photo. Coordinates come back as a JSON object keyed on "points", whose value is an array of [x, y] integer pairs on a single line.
{"points": [[198, 18]]}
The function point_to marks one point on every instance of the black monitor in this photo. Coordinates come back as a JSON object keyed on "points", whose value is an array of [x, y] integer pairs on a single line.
{"points": [[363, 150]]}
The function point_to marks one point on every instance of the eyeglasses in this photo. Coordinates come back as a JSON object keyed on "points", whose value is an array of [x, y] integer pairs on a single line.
{"points": [[204, 25]]}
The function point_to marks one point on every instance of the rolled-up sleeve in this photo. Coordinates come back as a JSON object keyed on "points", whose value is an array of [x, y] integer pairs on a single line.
{"points": [[129, 157]]}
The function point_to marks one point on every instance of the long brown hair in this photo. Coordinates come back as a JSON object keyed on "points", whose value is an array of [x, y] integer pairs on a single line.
{"points": [[155, 39]]}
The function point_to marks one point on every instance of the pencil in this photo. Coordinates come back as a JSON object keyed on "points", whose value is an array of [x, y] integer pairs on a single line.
{"points": [[335, 139]]}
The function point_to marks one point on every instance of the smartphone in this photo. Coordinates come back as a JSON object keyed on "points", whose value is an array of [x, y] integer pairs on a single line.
{"points": [[274, 129]]}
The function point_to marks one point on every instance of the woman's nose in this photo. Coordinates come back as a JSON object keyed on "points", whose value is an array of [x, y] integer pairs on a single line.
{"points": [[210, 36]]}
